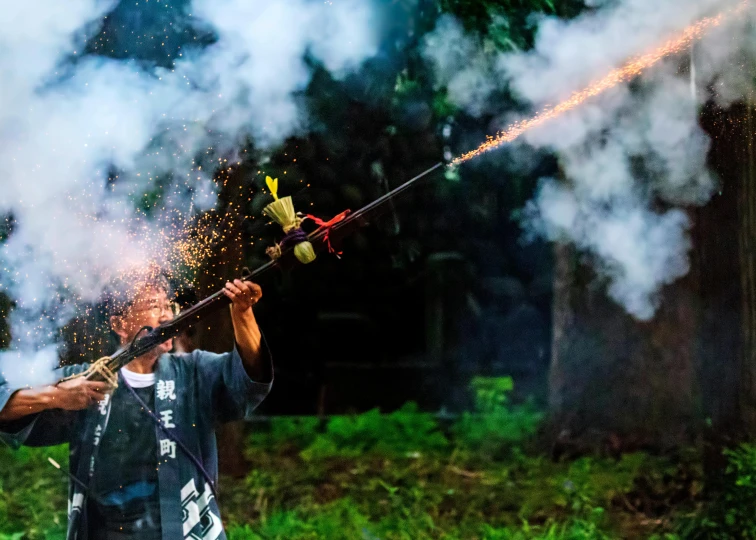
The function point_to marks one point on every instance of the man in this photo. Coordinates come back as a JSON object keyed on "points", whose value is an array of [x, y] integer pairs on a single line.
{"points": [[143, 457]]}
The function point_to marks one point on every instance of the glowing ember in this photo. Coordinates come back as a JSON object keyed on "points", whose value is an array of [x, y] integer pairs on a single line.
{"points": [[626, 73]]}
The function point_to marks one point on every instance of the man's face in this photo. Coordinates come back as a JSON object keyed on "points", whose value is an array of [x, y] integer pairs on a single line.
{"points": [[151, 307]]}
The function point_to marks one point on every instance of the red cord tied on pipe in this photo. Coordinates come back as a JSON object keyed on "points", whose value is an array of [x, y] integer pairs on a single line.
{"points": [[328, 225]]}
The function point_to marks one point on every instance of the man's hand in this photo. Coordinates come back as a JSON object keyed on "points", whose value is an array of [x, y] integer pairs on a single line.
{"points": [[73, 395], [77, 394], [243, 294]]}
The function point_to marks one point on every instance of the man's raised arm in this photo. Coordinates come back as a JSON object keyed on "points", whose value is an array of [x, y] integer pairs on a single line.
{"points": [[245, 294]]}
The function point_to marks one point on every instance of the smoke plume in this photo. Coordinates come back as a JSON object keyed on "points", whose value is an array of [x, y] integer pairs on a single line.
{"points": [[632, 145], [83, 137]]}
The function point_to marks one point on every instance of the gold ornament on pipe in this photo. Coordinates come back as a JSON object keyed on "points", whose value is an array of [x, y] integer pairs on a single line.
{"points": [[281, 210]]}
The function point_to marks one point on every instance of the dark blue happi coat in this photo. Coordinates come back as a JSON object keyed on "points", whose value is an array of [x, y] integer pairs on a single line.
{"points": [[193, 393]]}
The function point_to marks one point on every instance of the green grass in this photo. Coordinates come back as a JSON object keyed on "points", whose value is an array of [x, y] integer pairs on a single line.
{"points": [[403, 476], [442, 494]]}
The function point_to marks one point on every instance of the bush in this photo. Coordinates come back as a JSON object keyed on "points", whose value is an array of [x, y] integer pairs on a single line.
{"points": [[733, 513], [496, 424], [287, 431], [401, 432]]}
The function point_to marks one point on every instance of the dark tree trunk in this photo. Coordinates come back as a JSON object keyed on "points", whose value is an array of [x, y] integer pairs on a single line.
{"points": [[717, 273], [617, 383], [747, 260], [612, 376], [727, 258]]}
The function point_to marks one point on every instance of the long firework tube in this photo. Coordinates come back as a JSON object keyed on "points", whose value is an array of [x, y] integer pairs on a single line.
{"points": [[215, 302]]}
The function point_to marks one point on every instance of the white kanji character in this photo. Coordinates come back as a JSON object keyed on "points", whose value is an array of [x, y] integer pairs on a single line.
{"points": [[98, 432], [167, 447], [167, 418], [166, 390], [103, 405]]}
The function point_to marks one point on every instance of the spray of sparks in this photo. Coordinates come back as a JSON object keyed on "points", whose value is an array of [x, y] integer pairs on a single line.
{"points": [[180, 245], [626, 73], [176, 245]]}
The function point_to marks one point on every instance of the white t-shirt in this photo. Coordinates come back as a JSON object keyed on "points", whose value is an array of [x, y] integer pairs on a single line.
{"points": [[138, 380]]}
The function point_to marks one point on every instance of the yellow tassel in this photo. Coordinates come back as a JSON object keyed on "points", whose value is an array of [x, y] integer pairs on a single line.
{"points": [[282, 212]]}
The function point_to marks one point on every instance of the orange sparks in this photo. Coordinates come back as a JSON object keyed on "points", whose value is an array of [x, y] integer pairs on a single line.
{"points": [[626, 73]]}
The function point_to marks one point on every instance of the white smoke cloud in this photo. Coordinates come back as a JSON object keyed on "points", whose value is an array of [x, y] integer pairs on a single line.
{"points": [[626, 147], [64, 127], [460, 65], [637, 249], [258, 63]]}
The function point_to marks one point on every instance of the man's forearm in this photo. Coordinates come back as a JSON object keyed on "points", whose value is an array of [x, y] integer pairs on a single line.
{"points": [[28, 401], [248, 341]]}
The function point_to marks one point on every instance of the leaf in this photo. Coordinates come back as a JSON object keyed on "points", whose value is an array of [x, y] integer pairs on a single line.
{"points": [[272, 186]]}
